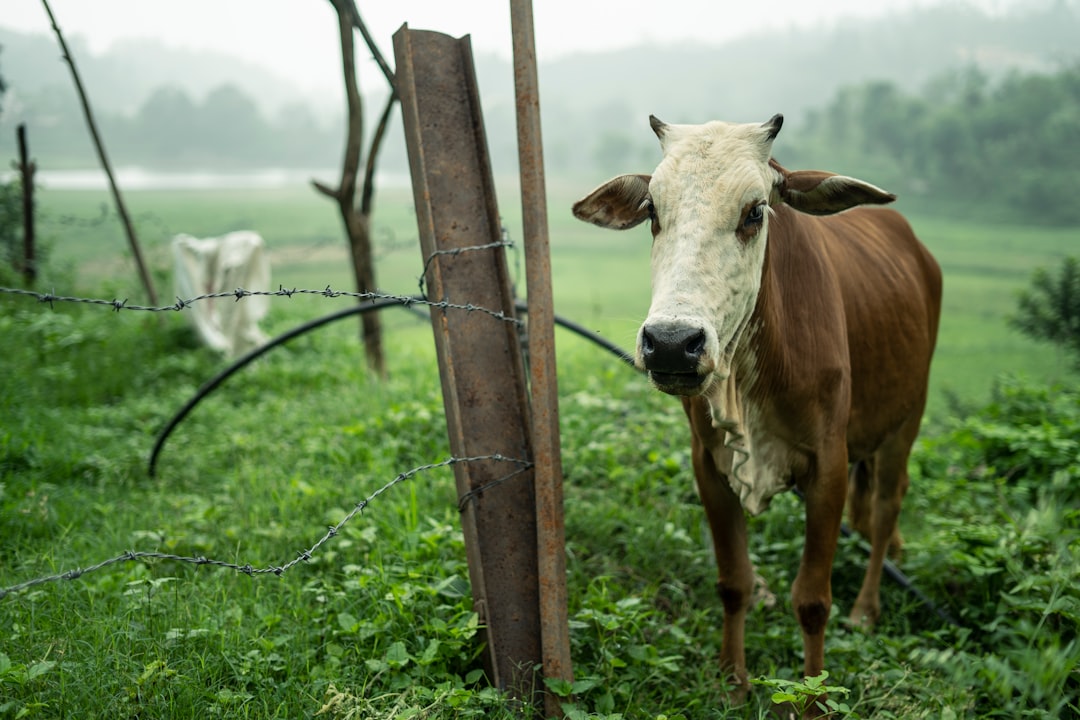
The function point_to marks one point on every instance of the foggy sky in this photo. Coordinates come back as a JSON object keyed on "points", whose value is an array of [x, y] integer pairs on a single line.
{"points": [[298, 38]]}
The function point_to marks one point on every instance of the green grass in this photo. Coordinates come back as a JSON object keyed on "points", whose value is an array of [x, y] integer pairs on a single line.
{"points": [[984, 268], [379, 624]]}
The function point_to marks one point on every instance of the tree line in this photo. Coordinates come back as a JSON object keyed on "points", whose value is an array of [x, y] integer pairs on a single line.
{"points": [[225, 130], [1004, 151]]}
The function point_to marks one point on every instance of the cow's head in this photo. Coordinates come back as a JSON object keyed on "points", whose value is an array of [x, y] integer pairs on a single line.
{"points": [[708, 202]]}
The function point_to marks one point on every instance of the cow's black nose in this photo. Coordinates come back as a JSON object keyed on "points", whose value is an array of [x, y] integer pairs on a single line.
{"points": [[672, 348]]}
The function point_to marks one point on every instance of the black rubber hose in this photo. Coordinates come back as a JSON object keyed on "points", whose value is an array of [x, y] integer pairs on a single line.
{"points": [[248, 357], [589, 335]]}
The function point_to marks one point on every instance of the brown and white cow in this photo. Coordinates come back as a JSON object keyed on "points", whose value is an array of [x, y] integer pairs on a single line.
{"points": [[798, 329]]}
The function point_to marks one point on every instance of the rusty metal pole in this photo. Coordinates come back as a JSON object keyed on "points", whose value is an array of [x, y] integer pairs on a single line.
{"points": [[551, 541], [480, 363]]}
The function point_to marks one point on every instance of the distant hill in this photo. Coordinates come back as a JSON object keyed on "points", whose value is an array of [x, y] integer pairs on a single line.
{"points": [[594, 104]]}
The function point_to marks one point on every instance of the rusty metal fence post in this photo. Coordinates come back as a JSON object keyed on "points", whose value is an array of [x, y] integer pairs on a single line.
{"points": [[480, 363]]}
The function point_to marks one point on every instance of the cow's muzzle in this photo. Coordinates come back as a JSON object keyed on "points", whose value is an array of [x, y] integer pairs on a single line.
{"points": [[671, 354]]}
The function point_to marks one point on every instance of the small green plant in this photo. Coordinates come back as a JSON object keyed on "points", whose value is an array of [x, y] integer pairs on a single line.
{"points": [[19, 675], [1050, 308], [802, 695]]}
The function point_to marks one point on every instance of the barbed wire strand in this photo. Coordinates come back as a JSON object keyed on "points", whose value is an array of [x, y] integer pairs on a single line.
{"points": [[475, 493], [504, 243], [240, 293], [303, 555]]}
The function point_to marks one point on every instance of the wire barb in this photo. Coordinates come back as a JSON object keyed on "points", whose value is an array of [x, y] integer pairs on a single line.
{"points": [[454, 252]]}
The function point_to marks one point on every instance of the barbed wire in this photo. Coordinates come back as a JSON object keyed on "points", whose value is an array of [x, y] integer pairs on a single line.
{"points": [[106, 216], [385, 241], [240, 293], [454, 252], [303, 555], [83, 221]]}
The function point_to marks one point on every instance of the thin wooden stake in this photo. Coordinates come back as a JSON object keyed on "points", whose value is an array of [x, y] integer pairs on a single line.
{"points": [[26, 171], [121, 209]]}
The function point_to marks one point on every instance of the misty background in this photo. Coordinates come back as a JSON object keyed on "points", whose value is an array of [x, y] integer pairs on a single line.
{"points": [[957, 110]]}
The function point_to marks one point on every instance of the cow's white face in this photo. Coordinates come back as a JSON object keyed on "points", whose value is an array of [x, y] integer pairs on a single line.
{"points": [[708, 202], [708, 205]]}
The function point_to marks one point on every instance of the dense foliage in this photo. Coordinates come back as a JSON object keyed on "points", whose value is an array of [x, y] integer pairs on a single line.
{"points": [[1006, 550]]}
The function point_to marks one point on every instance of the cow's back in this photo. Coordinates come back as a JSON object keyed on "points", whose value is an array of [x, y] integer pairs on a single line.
{"points": [[891, 290]]}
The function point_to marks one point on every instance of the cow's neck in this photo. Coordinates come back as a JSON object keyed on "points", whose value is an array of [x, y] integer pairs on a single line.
{"points": [[756, 461], [762, 364]]}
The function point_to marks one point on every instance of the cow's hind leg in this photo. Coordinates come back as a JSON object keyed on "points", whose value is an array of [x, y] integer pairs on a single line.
{"points": [[861, 496], [890, 483], [862, 490], [735, 575]]}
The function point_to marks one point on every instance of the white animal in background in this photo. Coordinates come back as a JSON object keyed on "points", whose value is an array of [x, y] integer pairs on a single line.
{"points": [[223, 264]]}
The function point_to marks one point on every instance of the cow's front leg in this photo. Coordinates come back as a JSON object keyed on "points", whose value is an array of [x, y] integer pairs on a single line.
{"points": [[811, 593], [735, 575]]}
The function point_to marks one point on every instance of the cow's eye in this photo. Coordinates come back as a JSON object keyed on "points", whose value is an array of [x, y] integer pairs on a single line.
{"points": [[753, 221], [754, 216], [653, 220]]}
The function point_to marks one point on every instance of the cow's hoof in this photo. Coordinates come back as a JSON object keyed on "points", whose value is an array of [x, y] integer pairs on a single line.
{"points": [[787, 711], [737, 690], [784, 711], [864, 618]]}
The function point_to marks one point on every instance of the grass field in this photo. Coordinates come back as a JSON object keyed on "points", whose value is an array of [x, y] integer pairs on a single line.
{"points": [[379, 623]]}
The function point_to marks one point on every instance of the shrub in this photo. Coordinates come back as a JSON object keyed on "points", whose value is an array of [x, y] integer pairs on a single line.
{"points": [[1050, 308]]}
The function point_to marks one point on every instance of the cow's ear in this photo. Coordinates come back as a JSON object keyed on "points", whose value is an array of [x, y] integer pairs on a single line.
{"points": [[619, 204], [822, 193]]}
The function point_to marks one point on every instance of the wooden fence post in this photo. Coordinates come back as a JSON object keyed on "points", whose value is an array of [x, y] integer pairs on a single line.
{"points": [[99, 146], [26, 173]]}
